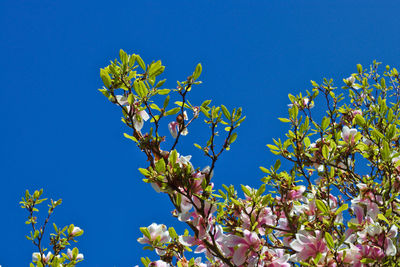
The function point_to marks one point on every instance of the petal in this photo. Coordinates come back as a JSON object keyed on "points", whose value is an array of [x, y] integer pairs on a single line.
{"points": [[122, 100], [184, 131], [187, 240], [239, 256], [138, 123], [172, 129], [144, 115], [390, 247]]}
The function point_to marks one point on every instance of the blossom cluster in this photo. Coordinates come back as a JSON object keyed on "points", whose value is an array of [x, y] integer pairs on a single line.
{"points": [[337, 205]]}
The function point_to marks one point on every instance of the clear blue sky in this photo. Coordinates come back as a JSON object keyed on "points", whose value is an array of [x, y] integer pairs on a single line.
{"points": [[59, 133]]}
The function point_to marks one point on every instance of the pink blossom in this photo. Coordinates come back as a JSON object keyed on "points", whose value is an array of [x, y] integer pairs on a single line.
{"points": [[71, 256], [355, 112], [264, 217], [297, 193], [157, 232], [246, 246], [348, 134], [76, 231], [303, 103], [350, 81], [174, 127], [139, 116], [275, 258], [308, 245], [36, 256], [159, 263]]}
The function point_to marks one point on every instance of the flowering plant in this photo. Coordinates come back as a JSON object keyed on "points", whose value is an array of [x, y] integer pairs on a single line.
{"points": [[59, 240], [337, 205]]}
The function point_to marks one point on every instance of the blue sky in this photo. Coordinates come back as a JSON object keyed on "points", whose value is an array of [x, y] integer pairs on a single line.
{"points": [[59, 133]]}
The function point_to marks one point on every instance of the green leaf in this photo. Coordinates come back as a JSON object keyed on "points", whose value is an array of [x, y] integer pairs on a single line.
{"points": [[263, 169], [145, 172], [277, 165], [359, 68], [131, 99], [132, 60], [240, 121], [226, 112], [272, 147], [329, 240], [154, 106], [36, 234], [321, 206], [173, 157], [198, 146], [130, 137], [205, 112], [383, 218], [341, 209], [105, 77], [172, 233], [260, 190], [284, 120], [360, 120], [232, 138], [197, 71], [173, 111], [325, 151], [145, 232], [160, 166], [160, 83], [386, 151], [307, 142], [317, 258], [180, 103], [105, 92], [123, 56], [206, 103], [156, 68], [246, 190], [325, 123], [378, 135], [367, 260], [140, 88], [166, 101], [294, 112], [163, 91], [140, 62]]}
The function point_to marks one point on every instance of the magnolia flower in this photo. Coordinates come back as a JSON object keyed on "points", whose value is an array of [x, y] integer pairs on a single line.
{"points": [[159, 263], [138, 116], [390, 248], [263, 217], [249, 241], [275, 257], [303, 103], [196, 111], [355, 112], [186, 206], [297, 192], [76, 231], [350, 82], [184, 160], [37, 257], [175, 126], [157, 232], [348, 134], [307, 245], [71, 256]]}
